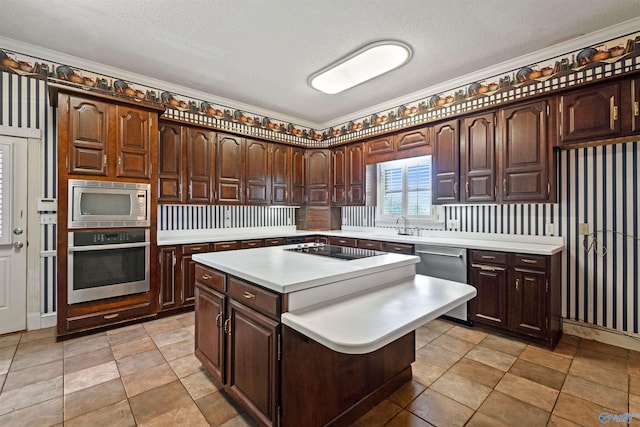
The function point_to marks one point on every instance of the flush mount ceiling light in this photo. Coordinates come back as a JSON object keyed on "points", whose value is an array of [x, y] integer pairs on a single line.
{"points": [[364, 64]]}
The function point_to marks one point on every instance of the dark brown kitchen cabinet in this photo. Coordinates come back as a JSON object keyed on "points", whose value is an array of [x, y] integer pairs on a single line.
{"points": [[635, 105], [186, 164], [280, 178], [343, 241], [526, 156], [226, 246], [106, 139], [446, 162], [398, 248], [347, 175], [257, 177], [339, 176], [318, 177], [412, 139], [590, 114], [478, 158], [517, 294], [238, 341], [248, 244], [169, 277], [188, 267], [276, 241], [379, 149], [230, 158], [298, 176], [400, 145], [200, 155]]}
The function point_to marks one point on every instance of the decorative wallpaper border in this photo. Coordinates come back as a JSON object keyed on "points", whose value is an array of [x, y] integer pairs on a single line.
{"points": [[609, 58]]}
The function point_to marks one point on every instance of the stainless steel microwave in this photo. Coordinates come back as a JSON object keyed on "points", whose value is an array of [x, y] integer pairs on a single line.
{"points": [[97, 204]]}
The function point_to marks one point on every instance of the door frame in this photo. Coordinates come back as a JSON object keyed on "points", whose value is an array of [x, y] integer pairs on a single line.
{"points": [[33, 139]]}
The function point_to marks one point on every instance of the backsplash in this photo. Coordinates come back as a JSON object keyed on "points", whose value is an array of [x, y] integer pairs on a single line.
{"points": [[200, 217]]}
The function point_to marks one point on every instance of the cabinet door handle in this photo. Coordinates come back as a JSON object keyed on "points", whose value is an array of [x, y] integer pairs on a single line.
{"points": [[218, 323], [517, 284], [227, 326], [249, 295], [466, 185], [636, 108], [615, 112], [455, 189], [504, 186], [206, 277], [104, 160], [119, 161], [529, 261], [488, 267]]}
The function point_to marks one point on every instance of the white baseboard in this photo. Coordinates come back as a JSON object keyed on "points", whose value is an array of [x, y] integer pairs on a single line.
{"points": [[598, 333], [41, 321]]}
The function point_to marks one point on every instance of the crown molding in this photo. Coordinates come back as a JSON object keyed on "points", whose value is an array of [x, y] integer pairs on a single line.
{"points": [[99, 68], [577, 43]]}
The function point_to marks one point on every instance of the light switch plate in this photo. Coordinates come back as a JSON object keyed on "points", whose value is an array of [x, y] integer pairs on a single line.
{"points": [[550, 230]]}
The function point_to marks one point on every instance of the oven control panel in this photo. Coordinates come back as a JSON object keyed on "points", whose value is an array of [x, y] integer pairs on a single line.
{"points": [[111, 237]]}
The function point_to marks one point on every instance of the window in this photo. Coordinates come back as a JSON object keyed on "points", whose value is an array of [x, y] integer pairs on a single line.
{"points": [[404, 189]]}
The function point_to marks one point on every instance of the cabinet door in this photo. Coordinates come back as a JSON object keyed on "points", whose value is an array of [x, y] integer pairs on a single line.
{"points": [[88, 136], [280, 166], [132, 142], [379, 149], [168, 278], [635, 105], [412, 139], [525, 150], [590, 114], [356, 175], [528, 302], [318, 177], [200, 165], [298, 176], [338, 176], [257, 176], [188, 270], [230, 169], [252, 361], [444, 137], [209, 336], [477, 158], [170, 163], [490, 304]]}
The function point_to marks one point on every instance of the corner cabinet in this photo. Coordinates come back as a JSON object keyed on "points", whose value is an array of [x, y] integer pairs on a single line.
{"points": [[517, 293]]}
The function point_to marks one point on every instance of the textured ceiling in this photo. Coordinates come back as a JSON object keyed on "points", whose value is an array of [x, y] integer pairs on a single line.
{"points": [[261, 52]]}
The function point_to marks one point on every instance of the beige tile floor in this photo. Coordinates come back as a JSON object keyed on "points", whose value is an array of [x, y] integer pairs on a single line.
{"points": [[146, 375]]}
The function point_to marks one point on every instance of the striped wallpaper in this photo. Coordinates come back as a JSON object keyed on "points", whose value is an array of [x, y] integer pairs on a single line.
{"points": [[198, 217]]}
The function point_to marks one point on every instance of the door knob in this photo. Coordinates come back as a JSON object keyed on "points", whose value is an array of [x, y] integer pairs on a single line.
{"points": [[18, 245], [18, 231]]}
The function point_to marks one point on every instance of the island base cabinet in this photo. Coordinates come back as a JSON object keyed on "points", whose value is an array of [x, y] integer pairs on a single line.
{"points": [[322, 387]]}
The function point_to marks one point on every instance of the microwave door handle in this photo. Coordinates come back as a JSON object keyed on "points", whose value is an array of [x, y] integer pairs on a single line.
{"points": [[105, 247]]}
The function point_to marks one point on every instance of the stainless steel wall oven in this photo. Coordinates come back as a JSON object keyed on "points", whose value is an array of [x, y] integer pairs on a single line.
{"points": [[105, 264]]}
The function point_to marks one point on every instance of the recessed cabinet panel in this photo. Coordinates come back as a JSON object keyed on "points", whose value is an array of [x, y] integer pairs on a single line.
{"points": [[257, 179], [230, 169], [133, 127], [529, 303], [412, 139], [478, 165], [444, 137], [590, 113], [88, 136], [200, 161]]}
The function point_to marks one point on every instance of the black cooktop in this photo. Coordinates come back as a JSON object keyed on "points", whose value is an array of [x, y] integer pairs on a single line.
{"points": [[338, 252]]}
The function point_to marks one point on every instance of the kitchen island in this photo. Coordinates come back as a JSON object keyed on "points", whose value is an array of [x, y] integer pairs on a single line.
{"points": [[301, 338]]}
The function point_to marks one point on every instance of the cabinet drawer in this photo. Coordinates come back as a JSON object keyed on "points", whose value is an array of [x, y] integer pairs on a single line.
{"points": [[536, 262], [255, 297], [107, 317], [370, 244], [342, 241], [248, 244], [316, 239], [212, 278], [488, 257], [274, 242], [398, 248], [195, 249], [225, 246]]}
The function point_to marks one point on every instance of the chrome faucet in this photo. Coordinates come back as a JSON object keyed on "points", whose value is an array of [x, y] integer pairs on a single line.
{"points": [[403, 231]]}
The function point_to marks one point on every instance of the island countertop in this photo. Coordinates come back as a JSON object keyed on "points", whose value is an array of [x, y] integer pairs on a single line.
{"points": [[284, 271]]}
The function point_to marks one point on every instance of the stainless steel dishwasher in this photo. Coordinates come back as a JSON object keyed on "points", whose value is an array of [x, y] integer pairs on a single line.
{"points": [[445, 263]]}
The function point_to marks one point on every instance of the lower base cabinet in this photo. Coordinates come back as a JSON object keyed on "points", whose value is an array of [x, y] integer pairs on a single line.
{"points": [[517, 294], [279, 376]]}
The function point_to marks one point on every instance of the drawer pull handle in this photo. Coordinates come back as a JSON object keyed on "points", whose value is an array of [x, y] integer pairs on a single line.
{"points": [[488, 267], [249, 295], [111, 316], [227, 326], [199, 248], [529, 261], [206, 277], [488, 257], [218, 323]]}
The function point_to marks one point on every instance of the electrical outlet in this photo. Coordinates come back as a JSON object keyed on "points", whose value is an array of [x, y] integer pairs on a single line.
{"points": [[48, 218], [583, 228], [550, 230], [453, 224]]}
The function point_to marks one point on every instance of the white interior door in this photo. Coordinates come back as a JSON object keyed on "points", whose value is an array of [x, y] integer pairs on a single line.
{"points": [[13, 234]]}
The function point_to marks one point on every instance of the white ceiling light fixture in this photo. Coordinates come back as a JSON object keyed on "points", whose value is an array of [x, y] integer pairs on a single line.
{"points": [[364, 64]]}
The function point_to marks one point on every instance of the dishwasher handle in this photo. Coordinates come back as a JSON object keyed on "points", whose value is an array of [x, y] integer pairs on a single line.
{"points": [[439, 254]]}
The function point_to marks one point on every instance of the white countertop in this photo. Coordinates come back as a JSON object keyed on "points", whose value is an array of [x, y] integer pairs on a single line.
{"points": [[484, 241], [365, 322], [284, 271]]}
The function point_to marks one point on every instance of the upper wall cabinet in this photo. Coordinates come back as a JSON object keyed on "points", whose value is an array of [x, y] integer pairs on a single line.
{"points": [[446, 162], [200, 157], [230, 160], [318, 177], [478, 158], [298, 175], [409, 143], [635, 105], [257, 172], [105, 139], [280, 174], [170, 168], [347, 175], [526, 159]]}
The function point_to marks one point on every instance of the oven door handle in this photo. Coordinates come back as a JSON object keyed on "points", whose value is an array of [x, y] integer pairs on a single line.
{"points": [[105, 247]]}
